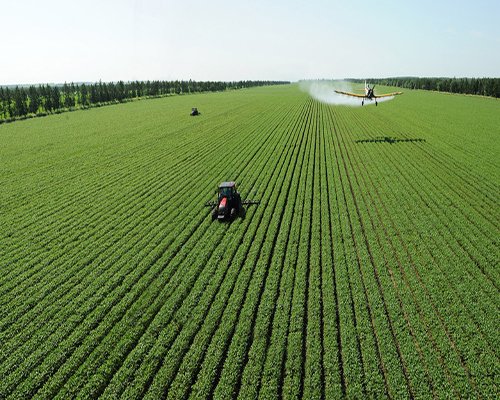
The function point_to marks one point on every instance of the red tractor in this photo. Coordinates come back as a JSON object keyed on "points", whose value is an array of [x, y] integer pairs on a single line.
{"points": [[229, 204]]}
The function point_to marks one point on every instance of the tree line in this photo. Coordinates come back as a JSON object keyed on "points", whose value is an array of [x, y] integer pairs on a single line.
{"points": [[23, 102], [479, 86]]}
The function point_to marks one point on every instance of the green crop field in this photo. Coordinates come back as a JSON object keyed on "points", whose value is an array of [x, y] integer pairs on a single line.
{"points": [[370, 268]]}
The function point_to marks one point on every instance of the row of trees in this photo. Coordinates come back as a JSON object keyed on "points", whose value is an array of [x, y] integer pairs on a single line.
{"points": [[39, 100], [478, 86]]}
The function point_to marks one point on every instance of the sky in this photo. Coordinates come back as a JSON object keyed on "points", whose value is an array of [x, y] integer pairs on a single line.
{"points": [[55, 41]]}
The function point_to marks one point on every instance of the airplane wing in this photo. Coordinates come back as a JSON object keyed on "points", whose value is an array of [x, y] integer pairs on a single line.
{"points": [[387, 95], [350, 94]]}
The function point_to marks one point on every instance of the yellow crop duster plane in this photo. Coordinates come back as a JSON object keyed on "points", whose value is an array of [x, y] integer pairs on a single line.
{"points": [[369, 94]]}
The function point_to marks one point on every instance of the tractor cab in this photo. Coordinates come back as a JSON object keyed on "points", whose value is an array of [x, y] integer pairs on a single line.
{"points": [[227, 189], [228, 202]]}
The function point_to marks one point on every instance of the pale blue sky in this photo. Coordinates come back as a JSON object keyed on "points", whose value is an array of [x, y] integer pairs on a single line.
{"points": [[61, 40]]}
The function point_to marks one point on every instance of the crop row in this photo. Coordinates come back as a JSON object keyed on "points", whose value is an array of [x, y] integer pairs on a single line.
{"points": [[117, 281], [368, 270], [432, 286], [163, 305]]}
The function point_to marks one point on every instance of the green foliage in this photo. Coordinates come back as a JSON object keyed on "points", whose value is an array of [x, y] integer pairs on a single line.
{"points": [[42, 100], [368, 270], [478, 86]]}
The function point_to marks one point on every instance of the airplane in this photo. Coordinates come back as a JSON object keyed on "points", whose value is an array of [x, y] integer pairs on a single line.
{"points": [[369, 94]]}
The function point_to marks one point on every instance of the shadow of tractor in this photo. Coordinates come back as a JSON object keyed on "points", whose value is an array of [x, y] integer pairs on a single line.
{"points": [[389, 139]]}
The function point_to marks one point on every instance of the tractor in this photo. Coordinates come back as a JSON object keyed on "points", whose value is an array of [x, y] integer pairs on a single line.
{"points": [[194, 112], [229, 204]]}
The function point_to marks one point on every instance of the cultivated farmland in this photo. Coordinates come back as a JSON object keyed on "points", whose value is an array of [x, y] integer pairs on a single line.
{"points": [[369, 268]]}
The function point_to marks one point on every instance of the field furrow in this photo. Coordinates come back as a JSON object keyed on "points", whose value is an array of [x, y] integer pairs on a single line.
{"points": [[369, 268]]}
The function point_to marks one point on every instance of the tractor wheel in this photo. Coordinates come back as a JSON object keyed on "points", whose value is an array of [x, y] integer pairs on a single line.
{"points": [[214, 214], [233, 213]]}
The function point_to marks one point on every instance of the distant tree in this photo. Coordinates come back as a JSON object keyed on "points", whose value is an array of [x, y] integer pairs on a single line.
{"points": [[8, 102], [3, 105], [34, 99], [84, 95], [46, 93], [94, 94], [120, 91], [20, 106], [56, 98]]}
